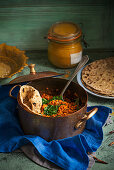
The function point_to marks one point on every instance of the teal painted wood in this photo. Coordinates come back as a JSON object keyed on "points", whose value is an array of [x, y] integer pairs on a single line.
{"points": [[24, 23]]}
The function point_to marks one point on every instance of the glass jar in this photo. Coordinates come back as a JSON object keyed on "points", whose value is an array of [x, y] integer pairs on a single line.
{"points": [[64, 47]]}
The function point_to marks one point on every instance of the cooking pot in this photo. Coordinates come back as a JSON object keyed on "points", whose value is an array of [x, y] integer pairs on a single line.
{"points": [[52, 128]]}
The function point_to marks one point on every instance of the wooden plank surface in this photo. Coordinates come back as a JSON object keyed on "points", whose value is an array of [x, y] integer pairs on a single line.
{"points": [[18, 161], [24, 23]]}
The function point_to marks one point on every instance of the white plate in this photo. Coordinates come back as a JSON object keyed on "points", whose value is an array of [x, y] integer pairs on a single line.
{"points": [[95, 94]]}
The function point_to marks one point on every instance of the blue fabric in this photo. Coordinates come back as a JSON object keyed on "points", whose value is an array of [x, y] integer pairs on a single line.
{"points": [[69, 153]]}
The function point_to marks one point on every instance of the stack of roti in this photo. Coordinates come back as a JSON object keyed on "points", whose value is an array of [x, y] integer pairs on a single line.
{"points": [[98, 76], [30, 98]]}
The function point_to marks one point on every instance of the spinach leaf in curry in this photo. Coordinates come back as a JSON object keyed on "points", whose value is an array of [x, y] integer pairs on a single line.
{"points": [[50, 109]]}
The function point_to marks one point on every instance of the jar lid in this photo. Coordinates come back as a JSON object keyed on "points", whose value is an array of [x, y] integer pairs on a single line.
{"points": [[64, 31]]}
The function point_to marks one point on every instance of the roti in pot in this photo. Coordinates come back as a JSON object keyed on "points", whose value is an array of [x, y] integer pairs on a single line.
{"points": [[30, 98], [98, 76]]}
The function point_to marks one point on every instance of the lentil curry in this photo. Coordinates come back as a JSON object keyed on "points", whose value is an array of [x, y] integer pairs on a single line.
{"points": [[46, 104], [55, 106]]}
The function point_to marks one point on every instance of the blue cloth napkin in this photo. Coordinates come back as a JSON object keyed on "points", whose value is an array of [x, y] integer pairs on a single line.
{"points": [[69, 153]]}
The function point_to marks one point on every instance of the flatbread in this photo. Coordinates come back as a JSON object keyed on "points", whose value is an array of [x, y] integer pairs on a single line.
{"points": [[5, 70], [98, 76], [30, 98]]}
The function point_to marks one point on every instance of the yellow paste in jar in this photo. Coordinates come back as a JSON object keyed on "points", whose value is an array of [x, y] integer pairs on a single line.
{"points": [[64, 47], [61, 56], [65, 29]]}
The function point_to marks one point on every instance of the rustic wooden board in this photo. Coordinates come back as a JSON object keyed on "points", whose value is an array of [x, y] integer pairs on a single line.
{"points": [[24, 23]]}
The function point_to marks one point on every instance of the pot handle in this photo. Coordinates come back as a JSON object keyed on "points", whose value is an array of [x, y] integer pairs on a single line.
{"points": [[87, 116], [12, 90]]}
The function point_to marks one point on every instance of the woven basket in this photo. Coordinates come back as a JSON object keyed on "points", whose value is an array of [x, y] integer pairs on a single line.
{"points": [[13, 58]]}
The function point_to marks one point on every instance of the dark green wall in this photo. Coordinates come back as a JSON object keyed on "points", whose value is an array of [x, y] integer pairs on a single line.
{"points": [[24, 23]]}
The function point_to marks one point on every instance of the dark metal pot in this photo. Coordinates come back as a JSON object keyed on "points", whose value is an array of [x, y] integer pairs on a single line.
{"points": [[52, 128]]}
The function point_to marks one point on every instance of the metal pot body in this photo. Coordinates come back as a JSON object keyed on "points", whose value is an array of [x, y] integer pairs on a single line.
{"points": [[53, 128]]}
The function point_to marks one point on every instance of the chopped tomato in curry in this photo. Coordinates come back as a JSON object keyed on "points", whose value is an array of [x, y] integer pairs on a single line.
{"points": [[55, 106]]}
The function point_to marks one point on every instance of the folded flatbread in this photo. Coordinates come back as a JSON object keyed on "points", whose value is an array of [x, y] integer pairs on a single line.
{"points": [[98, 76], [30, 98]]}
